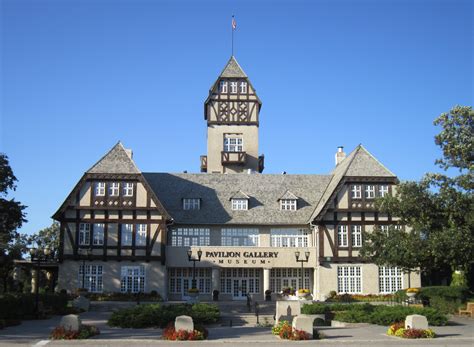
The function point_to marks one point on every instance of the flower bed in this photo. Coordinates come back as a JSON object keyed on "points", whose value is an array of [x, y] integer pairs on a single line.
{"points": [[285, 331], [86, 331], [398, 329], [170, 333]]}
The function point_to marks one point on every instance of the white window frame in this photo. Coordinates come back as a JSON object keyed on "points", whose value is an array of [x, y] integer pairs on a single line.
{"points": [[180, 280], [383, 190], [236, 237], [140, 234], [127, 189], [223, 87], [127, 235], [240, 204], [291, 237], [342, 239], [186, 237], [390, 279], [99, 189], [93, 280], [84, 234], [243, 87], [281, 278], [191, 204], [370, 191], [233, 87], [114, 189], [349, 279], [132, 279], [288, 204], [233, 143], [356, 191], [356, 235], [98, 234]]}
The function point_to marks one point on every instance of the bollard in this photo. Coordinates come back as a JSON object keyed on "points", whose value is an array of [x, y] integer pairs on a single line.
{"points": [[257, 311]]}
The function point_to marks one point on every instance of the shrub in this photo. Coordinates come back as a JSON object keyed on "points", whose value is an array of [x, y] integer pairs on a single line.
{"points": [[115, 296], [156, 315], [22, 306], [286, 331], [443, 298], [86, 331]]}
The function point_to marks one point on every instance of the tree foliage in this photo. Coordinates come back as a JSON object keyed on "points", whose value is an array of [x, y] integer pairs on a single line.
{"points": [[48, 238], [12, 214], [438, 211]]}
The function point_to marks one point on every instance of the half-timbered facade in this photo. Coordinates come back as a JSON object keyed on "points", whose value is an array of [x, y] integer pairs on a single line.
{"points": [[124, 230]]}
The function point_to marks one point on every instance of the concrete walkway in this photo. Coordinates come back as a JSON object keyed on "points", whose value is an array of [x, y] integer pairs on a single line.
{"points": [[460, 332]]}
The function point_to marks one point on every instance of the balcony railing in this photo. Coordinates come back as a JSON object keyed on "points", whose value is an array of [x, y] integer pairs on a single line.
{"points": [[235, 158], [203, 163]]}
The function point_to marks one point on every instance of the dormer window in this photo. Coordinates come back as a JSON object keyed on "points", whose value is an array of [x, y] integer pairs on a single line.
{"points": [[240, 204], [233, 87], [100, 189], [191, 204], [288, 204], [243, 87], [223, 87], [288, 201], [114, 189]]}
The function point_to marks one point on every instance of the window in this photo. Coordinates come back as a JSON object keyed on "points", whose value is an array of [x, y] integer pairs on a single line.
{"points": [[233, 87], [289, 238], [190, 237], [84, 234], [383, 190], [384, 228], [100, 189], [191, 204], [356, 235], [342, 235], [356, 192], [114, 189], [233, 143], [223, 87], [369, 191], [127, 189], [240, 204], [140, 235], [281, 278], [98, 234], [240, 237], [243, 87], [240, 280], [288, 204], [127, 234], [390, 279], [349, 279], [181, 280], [92, 277], [132, 279]]}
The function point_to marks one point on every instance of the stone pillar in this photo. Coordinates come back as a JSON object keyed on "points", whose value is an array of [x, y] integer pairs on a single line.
{"points": [[266, 281], [33, 281], [216, 279], [316, 293]]}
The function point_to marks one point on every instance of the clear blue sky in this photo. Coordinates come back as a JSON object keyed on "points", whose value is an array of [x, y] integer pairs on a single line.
{"points": [[77, 76]]}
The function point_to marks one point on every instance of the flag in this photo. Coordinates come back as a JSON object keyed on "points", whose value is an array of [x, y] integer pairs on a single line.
{"points": [[234, 24]]}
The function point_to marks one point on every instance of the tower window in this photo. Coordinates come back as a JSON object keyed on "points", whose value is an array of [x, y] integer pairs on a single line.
{"points": [[100, 189], [233, 144], [223, 87], [233, 87], [243, 87], [114, 189]]}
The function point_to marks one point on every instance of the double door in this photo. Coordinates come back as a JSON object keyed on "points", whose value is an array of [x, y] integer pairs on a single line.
{"points": [[240, 282]]}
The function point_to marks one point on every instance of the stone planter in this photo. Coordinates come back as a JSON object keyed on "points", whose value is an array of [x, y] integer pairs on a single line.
{"points": [[193, 294], [411, 294], [302, 295]]}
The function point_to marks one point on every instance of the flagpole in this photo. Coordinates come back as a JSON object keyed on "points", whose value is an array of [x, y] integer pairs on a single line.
{"points": [[232, 28]]}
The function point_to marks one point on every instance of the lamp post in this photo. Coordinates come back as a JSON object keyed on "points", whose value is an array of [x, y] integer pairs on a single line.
{"points": [[305, 260], [38, 256], [194, 260], [87, 252]]}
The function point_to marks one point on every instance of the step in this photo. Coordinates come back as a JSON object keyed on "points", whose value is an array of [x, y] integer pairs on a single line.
{"points": [[246, 320]]}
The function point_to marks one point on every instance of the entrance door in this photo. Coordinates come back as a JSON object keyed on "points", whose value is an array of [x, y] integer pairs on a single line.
{"points": [[239, 290]]}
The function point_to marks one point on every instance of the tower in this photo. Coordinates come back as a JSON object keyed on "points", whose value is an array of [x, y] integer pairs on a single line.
{"points": [[232, 114]]}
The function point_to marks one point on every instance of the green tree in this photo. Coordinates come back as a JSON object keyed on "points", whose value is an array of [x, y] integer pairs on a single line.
{"points": [[12, 214], [438, 210], [48, 238]]}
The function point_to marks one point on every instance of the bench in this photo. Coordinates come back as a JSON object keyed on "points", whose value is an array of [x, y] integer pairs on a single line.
{"points": [[469, 310]]}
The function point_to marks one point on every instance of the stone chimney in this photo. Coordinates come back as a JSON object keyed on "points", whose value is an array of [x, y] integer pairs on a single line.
{"points": [[340, 155], [129, 153]]}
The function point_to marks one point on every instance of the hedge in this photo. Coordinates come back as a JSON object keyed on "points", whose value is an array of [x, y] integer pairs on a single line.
{"points": [[156, 315], [22, 306], [445, 299]]}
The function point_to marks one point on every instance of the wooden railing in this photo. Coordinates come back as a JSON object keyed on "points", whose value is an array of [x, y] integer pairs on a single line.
{"points": [[236, 158]]}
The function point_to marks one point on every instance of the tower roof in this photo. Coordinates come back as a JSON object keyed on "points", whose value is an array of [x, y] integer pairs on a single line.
{"points": [[117, 160], [232, 69]]}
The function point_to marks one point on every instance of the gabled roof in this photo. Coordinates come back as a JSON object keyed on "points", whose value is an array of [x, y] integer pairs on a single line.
{"points": [[359, 163], [213, 189], [117, 161], [288, 196], [233, 69], [239, 195]]}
